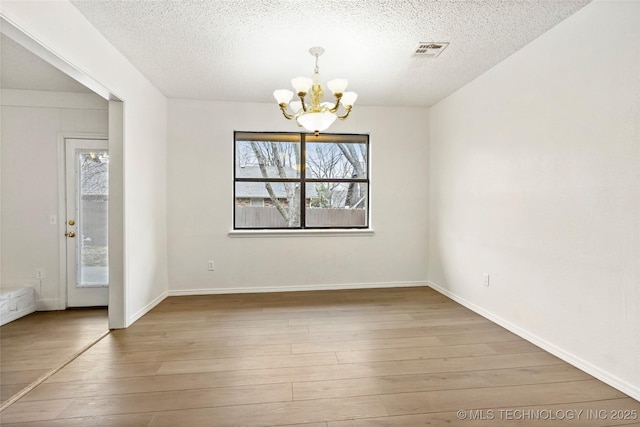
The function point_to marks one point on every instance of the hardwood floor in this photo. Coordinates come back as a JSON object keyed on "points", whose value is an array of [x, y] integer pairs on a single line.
{"points": [[376, 357], [33, 345]]}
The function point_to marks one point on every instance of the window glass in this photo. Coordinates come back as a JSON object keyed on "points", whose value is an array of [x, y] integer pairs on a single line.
{"points": [[326, 160], [267, 159], [336, 204], [267, 205]]}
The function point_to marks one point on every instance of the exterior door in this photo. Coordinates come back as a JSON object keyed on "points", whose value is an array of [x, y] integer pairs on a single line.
{"points": [[87, 207]]}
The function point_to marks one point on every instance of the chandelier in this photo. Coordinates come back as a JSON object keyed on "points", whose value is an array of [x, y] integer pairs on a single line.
{"points": [[312, 113]]}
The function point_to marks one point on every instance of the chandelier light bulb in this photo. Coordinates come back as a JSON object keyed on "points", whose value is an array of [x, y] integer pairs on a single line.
{"points": [[337, 85], [348, 99], [301, 84], [282, 95], [295, 106]]}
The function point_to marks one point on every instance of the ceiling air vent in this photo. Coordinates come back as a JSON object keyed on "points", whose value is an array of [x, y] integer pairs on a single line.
{"points": [[429, 49]]}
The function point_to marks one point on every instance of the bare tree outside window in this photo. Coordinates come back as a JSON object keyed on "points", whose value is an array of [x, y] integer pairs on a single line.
{"points": [[271, 154]]}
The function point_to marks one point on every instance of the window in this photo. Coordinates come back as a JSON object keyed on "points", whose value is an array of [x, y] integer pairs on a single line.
{"points": [[302, 181]]}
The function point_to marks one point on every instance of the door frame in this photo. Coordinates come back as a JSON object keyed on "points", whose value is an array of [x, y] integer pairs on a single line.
{"points": [[62, 209], [80, 295]]}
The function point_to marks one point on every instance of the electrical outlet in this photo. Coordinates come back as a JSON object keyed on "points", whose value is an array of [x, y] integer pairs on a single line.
{"points": [[212, 265], [485, 280], [39, 273]]}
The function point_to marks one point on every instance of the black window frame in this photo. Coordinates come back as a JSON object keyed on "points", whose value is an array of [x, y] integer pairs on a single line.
{"points": [[303, 180]]}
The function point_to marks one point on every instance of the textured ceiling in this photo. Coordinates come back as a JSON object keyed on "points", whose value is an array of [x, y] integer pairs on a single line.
{"points": [[241, 50], [21, 69]]}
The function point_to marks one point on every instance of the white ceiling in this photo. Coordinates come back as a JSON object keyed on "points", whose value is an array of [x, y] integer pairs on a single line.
{"points": [[241, 50], [21, 69]]}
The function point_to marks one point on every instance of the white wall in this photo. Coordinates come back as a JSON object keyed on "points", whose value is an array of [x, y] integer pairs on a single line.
{"points": [[201, 200], [534, 172], [63, 30], [31, 122]]}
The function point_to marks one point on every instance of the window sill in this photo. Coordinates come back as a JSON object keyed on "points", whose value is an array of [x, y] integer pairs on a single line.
{"points": [[301, 233]]}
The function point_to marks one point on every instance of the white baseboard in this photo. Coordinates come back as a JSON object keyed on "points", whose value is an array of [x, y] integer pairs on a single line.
{"points": [[572, 359], [144, 310], [262, 289], [48, 304]]}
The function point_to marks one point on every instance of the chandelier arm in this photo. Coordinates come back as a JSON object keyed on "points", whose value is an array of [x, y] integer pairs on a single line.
{"points": [[335, 107], [346, 114], [283, 108], [302, 95]]}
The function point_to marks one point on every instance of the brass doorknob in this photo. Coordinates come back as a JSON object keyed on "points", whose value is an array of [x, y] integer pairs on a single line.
{"points": [[72, 222], [70, 234]]}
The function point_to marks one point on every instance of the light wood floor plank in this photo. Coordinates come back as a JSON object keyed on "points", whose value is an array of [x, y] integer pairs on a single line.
{"points": [[211, 324], [339, 318], [366, 326], [34, 411], [177, 400], [432, 352], [355, 345], [471, 363], [82, 371], [496, 397], [21, 377], [404, 342], [133, 343], [235, 332], [155, 383], [344, 335], [124, 356], [128, 420], [322, 424], [243, 363], [427, 382], [271, 414]]}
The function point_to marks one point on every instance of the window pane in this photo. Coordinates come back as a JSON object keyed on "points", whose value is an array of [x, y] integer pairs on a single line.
{"points": [[267, 204], [267, 159], [331, 204], [93, 269], [329, 160]]}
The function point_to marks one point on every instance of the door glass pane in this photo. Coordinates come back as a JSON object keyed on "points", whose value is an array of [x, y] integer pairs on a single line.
{"points": [[93, 209]]}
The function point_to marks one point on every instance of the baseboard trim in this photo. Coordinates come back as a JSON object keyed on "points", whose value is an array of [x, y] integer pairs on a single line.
{"points": [[147, 308], [328, 287], [48, 304], [604, 376]]}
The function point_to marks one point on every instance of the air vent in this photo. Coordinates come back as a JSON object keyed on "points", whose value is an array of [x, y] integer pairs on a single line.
{"points": [[429, 49]]}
